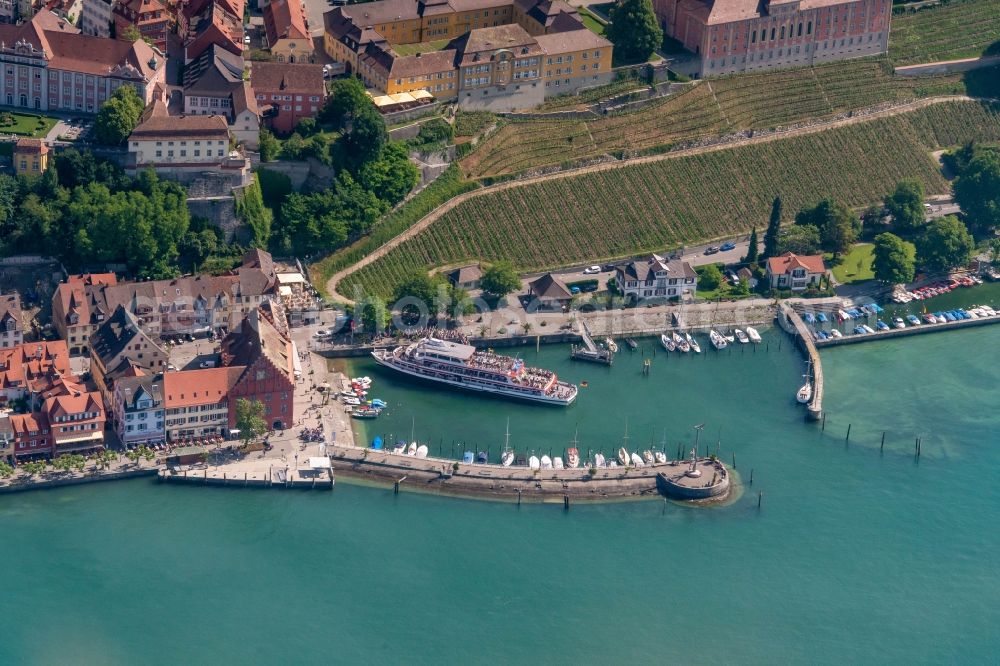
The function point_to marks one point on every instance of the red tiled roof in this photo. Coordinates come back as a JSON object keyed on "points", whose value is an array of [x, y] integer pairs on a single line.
{"points": [[301, 78], [788, 261], [285, 19], [157, 123], [185, 388]]}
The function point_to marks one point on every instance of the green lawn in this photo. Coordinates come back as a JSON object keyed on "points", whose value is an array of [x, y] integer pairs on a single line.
{"points": [[591, 22], [25, 124], [848, 271], [422, 47]]}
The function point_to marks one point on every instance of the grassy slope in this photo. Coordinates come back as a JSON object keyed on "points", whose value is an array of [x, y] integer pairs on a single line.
{"points": [[719, 106], [960, 29], [651, 206]]}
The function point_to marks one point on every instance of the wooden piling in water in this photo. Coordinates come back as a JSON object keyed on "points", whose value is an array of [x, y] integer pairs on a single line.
{"points": [[882, 445], [848, 433], [760, 498], [734, 459], [823, 428], [566, 502], [751, 476]]}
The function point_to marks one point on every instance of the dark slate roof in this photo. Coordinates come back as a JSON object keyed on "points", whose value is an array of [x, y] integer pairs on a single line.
{"points": [[132, 388], [111, 337], [549, 286]]}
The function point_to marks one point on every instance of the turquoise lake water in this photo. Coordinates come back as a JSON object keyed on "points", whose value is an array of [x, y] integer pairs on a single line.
{"points": [[857, 555]]}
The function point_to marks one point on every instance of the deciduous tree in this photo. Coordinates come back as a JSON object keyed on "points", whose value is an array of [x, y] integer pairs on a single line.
{"points": [[799, 239], [906, 205], [500, 279], [945, 243], [250, 419], [895, 259], [634, 30], [977, 190], [118, 116]]}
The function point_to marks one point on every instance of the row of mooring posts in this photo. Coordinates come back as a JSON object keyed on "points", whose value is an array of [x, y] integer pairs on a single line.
{"points": [[917, 444]]}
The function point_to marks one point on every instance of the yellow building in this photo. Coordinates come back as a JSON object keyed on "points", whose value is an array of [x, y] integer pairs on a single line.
{"points": [[574, 59], [31, 156]]}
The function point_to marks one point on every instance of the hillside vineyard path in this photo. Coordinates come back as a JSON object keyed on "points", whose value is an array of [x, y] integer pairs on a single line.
{"points": [[434, 215]]}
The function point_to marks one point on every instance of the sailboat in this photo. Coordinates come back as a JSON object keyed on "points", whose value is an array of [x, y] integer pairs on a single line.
{"points": [[573, 455], [557, 463], [623, 455], [695, 347], [422, 451], [533, 462], [647, 455], [507, 455], [637, 460], [546, 462], [730, 338], [611, 345], [598, 460], [717, 340], [681, 343], [754, 335], [804, 394], [667, 342], [411, 450]]}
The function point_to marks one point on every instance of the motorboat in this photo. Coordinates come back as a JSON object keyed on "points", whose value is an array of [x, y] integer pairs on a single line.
{"points": [[804, 394], [411, 450], [667, 342], [660, 456], [612, 464], [623, 455], [717, 340], [351, 401], [930, 319], [557, 463], [611, 345], [913, 320], [820, 317], [599, 460], [632, 344], [834, 333], [637, 460], [364, 414], [482, 458], [573, 458], [731, 338], [400, 447], [468, 457], [695, 347], [868, 329], [506, 458], [546, 462], [809, 317], [881, 325], [377, 443], [898, 323], [533, 462], [648, 457], [681, 343], [422, 451], [741, 336], [754, 335]]}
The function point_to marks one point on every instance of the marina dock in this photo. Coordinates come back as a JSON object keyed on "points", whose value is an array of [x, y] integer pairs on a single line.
{"points": [[903, 332]]}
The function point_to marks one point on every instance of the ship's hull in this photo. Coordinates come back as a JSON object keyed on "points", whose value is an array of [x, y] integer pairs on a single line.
{"points": [[455, 381]]}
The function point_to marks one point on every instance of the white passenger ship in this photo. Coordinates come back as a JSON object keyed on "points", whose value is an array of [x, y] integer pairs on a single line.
{"points": [[463, 367]]}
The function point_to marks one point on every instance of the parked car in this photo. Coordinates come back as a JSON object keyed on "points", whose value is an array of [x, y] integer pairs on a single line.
{"points": [[574, 290], [321, 333], [608, 267], [711, 249], [591, 270], [727, 246]]}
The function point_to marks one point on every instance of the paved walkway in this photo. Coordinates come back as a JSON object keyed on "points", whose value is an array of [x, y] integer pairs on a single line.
{"points": [[433, 216]]}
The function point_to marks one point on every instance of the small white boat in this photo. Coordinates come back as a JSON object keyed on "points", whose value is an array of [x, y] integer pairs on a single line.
{"points": [[717, 340], [612, 463], [660, 457], [623, 456], [411, 450], [681, 343], [835, 333], [805, 393], [637, 460], [868, 329], [400, 448], [533, 462], [351, 401], [898, 322], [599, 460], [730, 338], [557, 463], [546, 462], [741, 336], [695, 347], [648, 456], [422, 451], [611, 345], [754, 335], [573, 458], [667, 342], [507, 458]]}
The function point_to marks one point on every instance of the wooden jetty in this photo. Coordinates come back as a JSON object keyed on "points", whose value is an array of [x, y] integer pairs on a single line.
{"points": [[589, 351]]}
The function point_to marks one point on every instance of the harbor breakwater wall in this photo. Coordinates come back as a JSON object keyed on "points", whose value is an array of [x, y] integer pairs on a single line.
{"points": [[490, 481], [904, 332], [21, 485], [792, 323]]}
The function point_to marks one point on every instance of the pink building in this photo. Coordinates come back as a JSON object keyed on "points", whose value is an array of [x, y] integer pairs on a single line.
{"points": [[748, 35]]}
